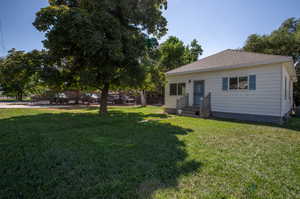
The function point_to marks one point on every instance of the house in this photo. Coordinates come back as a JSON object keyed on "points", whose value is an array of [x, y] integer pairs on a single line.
{"points": [[233, 84]]}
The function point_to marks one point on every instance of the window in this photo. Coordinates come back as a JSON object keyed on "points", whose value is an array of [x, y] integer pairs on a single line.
{"points": [[285, 88], [233, 83], [290, 91], [239, 83], [181, 89], [252, 82], [173, 89], [177, 89], [243, 82]]}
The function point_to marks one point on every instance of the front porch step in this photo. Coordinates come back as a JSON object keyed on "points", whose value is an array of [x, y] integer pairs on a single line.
{"points": [[190, 112], [189, 115], [190, 108]]}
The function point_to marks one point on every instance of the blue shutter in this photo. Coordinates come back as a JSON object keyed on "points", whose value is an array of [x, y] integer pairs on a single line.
{"points": [[225, 83], [252, 82]]}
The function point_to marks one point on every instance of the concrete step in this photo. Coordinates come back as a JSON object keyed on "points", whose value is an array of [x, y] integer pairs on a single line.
{"points": [[190, 112], [190, 109], [189, 115]]}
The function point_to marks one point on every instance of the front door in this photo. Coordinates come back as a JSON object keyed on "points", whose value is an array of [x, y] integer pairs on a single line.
{"points": [[198, 92]]}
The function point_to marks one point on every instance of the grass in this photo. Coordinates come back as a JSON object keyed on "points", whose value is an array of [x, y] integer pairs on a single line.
{"points": [[143, 153]]}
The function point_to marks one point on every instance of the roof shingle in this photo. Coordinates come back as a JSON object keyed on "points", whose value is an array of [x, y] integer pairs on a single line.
{"points": [[230, 58]]}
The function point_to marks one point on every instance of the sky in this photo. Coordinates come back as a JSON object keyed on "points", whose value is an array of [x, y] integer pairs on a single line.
{"points": [[216, 24]]}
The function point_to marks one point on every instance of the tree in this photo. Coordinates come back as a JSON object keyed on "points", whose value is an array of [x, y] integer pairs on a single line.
{"points": [[106, 39], [192, 52], [58, 76], [19, 73], [283, 41], [173, 53], [164, 57], [153, 75], [256, 43]]}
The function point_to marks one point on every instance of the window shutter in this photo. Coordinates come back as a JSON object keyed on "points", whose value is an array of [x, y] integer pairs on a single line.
{"points": [[252, 82], [225, 83]]}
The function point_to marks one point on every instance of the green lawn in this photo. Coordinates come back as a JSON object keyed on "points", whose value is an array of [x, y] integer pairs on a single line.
{"points": [[142, 153]]}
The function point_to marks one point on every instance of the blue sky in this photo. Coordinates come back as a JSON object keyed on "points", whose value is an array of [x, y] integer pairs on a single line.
{"points": [[216, 24]]}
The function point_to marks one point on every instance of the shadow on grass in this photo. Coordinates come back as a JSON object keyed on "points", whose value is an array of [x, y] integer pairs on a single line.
{"points": [[71, 155]]}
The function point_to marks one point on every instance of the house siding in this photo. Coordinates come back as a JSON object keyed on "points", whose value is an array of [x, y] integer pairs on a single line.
{"points": [[248, 117], [265, 100]]}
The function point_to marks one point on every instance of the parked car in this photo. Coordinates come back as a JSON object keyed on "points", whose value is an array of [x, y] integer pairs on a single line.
{"points": [[90, 98], [59, 98], [127, 99]]}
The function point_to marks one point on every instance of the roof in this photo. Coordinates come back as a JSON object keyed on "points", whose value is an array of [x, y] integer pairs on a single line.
{"points": [[229, 59]]}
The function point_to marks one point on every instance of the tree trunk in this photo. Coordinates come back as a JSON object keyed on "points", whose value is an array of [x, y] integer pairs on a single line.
{"points": [[163, 95], [143, 98], [77, 97], [103, 101], [19, 96]]}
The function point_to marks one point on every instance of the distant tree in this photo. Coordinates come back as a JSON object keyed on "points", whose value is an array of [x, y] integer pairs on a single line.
{"points": [[192, 52], [283, 41], [153, 75], [164, 57], [106, 39], [173, 53], [19, 73], [257, 43]]}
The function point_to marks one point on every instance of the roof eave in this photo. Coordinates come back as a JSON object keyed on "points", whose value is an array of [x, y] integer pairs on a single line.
{"points": [[228, 67]]}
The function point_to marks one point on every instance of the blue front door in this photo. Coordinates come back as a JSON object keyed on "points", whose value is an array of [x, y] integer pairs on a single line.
{"points": [[198, 92]]}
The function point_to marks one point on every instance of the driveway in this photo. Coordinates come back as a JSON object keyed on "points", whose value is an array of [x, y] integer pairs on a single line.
{"points": [[37, 106]]}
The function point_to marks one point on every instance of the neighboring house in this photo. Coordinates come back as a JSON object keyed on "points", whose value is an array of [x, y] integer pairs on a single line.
{"points": [[240, 85]]}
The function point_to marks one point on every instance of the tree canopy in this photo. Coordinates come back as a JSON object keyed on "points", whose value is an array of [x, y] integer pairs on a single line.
{"points": [[173, 53], [105, 39], [283, 41], [169, 55], [19, 73]]}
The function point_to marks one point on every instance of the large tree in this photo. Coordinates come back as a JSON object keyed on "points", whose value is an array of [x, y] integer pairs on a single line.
{"points": [[19, 73], [106, 39], [58, 75]]}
